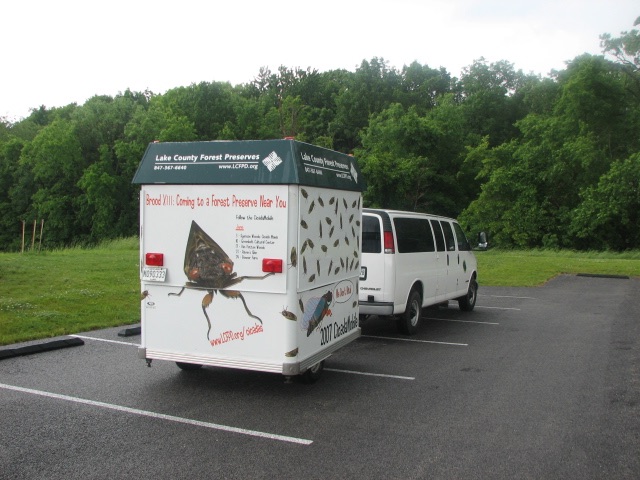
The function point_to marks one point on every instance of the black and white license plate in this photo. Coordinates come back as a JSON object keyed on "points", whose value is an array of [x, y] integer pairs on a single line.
{"points": [[150, 274], [363, 273]]}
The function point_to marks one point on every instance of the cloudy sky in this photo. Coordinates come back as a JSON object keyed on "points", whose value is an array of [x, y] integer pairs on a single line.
{"points": [[64, 51]]}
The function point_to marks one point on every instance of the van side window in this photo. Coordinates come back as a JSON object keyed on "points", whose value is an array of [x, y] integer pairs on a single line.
{"points": [[448, 236], [413, 235], [437, 231], [463, 243], [371, 237]]}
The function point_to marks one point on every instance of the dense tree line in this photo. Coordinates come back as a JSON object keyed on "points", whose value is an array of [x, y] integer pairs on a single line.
{"points": [[534, 161]]}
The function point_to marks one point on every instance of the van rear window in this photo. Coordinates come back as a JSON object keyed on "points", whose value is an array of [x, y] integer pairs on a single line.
{"points": [[448, 236], [371, 236], [413, 235]]}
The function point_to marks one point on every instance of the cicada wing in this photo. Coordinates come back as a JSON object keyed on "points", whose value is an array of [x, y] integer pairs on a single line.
{"points": [[309, 311], [205, 262]]}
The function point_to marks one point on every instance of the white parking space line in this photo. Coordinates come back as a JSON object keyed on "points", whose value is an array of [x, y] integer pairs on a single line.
{"points": [[498, 308], [161, 416], [398, 377], [461, 321], [510, 296], [83, 337], [416, 340], [328, 369]]}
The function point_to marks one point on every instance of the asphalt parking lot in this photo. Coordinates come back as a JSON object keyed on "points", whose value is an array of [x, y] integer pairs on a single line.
{"points": [[535, 383]]}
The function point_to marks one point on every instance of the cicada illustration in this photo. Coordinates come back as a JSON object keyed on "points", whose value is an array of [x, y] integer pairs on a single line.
{"points": [[292, 353], [288, 315], [294, 257], [317, 309], [209, 268], [304, 246]]}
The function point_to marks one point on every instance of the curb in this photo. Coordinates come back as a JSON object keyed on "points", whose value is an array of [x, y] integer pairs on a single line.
{"points": [[130, 332], [40, 347], [598, 275]]}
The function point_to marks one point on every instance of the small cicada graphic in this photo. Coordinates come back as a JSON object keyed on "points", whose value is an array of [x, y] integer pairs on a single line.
{"points": [[288, 315], [316, 309], [209, 268]]}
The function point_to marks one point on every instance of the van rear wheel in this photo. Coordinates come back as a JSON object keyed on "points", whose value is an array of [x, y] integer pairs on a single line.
{"points": [[467, 302], [312, 375], [409, 321]]}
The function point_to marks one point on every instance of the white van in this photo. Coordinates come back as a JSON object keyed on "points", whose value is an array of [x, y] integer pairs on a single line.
{"points": [[413, 260]]}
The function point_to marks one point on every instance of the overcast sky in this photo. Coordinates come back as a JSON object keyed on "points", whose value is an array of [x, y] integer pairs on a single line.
{"points": [[56, 52]]}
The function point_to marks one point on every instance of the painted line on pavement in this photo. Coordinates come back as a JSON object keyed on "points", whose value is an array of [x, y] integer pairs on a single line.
{"points": [[398, 377], [329, 369], [161, 416], [461, 321], [84, 337], [510, 296], [499, 308], [416, 340]]}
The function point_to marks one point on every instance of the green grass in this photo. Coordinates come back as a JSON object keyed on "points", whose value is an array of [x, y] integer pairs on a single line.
{"points": [[68, 291], [75, 290], [530, 268]]}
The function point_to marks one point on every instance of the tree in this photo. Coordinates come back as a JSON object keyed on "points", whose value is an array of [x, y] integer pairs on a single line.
{"points": [[492, 99], [626, 52], [593, 100], [422, 86], [367, 92], [609, 216], [9, 174], [54, 161], [207, 106], [411, 161]]}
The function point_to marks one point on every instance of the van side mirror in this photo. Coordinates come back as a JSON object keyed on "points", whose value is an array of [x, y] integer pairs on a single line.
{"points": [[483, 241]]}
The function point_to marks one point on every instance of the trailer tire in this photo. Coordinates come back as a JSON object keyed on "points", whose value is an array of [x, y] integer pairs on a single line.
{"points": [[188, 366], [468, 302], [313, 373], [409, 321]]}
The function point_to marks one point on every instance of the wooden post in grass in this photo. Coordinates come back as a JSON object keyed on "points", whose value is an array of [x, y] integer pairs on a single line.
{"points": [[23, 228], [33, 235], [41, 227]]}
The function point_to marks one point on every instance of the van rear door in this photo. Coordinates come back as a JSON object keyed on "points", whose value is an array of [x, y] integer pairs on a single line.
{"points": [[373, 279]]}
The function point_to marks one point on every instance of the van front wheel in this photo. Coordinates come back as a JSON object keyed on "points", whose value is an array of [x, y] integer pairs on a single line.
{"points": [[409, 321]]}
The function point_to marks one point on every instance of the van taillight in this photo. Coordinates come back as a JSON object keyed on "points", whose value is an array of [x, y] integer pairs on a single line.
{"points": [[389, 247]]}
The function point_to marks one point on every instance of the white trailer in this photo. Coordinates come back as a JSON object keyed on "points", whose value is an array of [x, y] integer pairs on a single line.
{"points": [[249, 254]]}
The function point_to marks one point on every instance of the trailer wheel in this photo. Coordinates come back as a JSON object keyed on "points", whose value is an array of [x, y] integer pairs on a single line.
{"points": [[409, 321], [188, 366], [467, 302], [312, 375]]}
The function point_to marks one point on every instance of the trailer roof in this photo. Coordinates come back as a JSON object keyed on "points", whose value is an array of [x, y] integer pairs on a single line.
{"points": [[248, 162]]}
